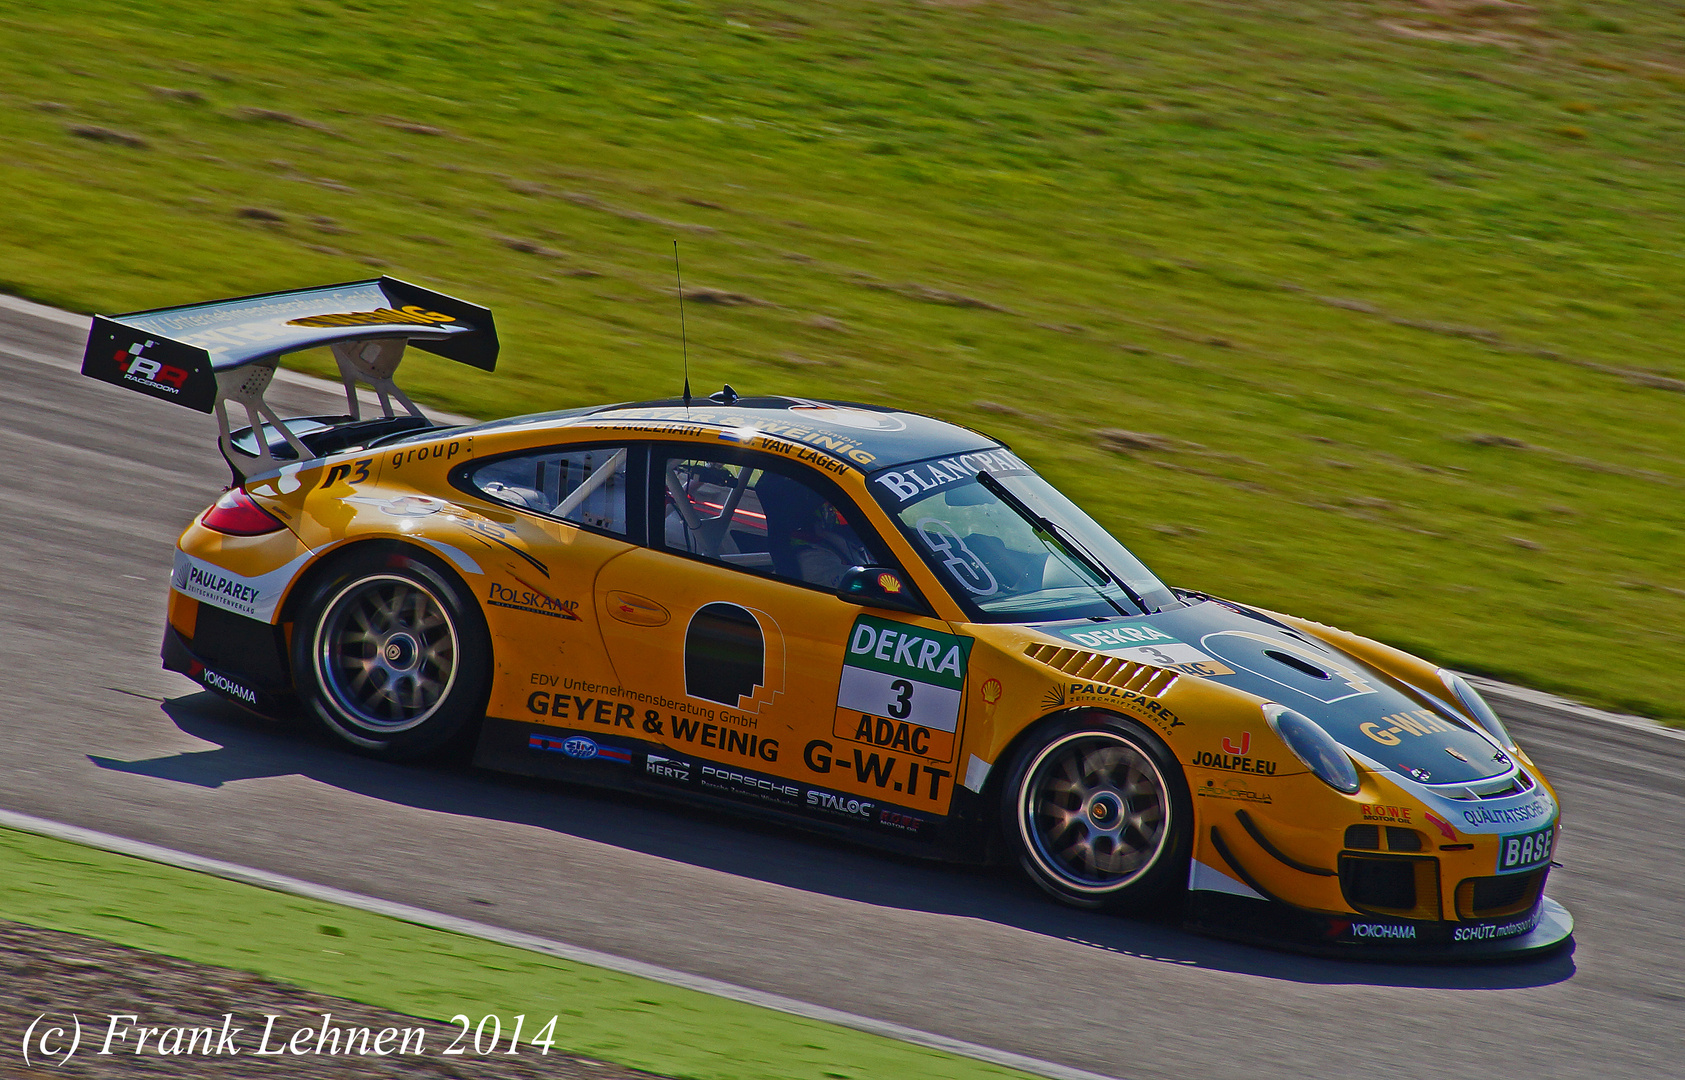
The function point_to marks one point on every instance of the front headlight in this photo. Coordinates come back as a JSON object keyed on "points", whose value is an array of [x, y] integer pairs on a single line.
{"points": [[1315, 747], [1476, 707]]}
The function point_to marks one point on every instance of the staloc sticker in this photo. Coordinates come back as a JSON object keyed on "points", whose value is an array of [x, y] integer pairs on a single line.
{"points": [[903, 673]]}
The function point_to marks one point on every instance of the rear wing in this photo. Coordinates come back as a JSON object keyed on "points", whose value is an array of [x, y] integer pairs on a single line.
{"points": [[206, 356]]}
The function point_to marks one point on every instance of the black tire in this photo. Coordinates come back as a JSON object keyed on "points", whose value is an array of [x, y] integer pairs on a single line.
{"points": [[1097, 811], [391, 654]]}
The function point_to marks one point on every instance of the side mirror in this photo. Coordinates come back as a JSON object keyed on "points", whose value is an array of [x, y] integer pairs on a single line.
{"points": [[880, 587]]}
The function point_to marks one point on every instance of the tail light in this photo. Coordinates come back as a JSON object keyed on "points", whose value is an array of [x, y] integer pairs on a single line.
{"points": [[238, 514]]}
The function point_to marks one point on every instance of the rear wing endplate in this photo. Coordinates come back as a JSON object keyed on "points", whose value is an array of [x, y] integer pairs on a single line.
{"points": [[205, 356]]}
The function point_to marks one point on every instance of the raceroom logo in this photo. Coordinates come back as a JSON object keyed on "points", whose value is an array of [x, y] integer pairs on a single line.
{"points": [[149, 372]]}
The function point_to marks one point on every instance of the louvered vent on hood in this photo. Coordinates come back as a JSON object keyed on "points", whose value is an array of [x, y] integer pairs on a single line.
{"points": [[1112, 670]]}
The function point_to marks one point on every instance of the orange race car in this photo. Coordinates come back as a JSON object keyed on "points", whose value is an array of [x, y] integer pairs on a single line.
{"points": [[844, 617]]}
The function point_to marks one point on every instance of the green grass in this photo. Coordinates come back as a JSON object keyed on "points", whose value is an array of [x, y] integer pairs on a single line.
{"points": [[435, 975], [1403, 287]]}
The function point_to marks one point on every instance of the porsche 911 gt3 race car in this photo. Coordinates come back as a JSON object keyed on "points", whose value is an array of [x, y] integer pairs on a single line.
{"points": [[844, 617]]}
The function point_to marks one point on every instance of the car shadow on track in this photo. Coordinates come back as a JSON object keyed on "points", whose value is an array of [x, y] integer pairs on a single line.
{"points": [[250, 747]]}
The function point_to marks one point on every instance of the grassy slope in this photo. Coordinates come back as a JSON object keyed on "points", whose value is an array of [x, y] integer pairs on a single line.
{"points": [[1317, 245], [435, 975]]}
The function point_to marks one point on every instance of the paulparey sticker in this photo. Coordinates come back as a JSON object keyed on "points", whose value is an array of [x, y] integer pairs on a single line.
{"points": [[902, 683]]}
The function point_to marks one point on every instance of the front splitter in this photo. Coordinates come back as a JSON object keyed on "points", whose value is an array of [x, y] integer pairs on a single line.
{"points": [[1276, 926]]}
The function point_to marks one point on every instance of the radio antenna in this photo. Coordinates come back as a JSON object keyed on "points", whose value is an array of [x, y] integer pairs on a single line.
{"points": [[683, 343]]}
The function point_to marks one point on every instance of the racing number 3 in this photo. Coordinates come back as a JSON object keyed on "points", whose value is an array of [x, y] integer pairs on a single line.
{"points": [[902, 706]]}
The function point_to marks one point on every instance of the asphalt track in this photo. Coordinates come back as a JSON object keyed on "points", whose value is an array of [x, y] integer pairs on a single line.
{"points": [[94, 485]]}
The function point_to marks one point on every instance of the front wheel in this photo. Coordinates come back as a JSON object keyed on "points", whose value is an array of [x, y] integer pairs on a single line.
{"points": [[391, 654], [1099, 814]]}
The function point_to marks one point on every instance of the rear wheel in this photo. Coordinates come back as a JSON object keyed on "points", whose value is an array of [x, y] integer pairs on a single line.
{"points": [[391, 654], [1099, 814]]}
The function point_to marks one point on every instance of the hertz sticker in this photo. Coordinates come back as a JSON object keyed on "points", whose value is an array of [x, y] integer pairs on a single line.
{"points": [[902, 687]]}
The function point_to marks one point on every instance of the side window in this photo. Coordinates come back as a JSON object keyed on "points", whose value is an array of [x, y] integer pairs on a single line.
{"points": [[586, 487], [767, 521]]}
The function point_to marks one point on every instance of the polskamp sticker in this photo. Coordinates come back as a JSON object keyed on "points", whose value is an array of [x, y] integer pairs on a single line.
{"points": [[904, 672]]}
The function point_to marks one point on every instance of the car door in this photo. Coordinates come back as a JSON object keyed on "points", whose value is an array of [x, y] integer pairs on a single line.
{"points": [[573, 513], [765, 685]]}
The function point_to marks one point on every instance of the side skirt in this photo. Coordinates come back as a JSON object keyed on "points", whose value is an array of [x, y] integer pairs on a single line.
{"points": [[629, 764]]}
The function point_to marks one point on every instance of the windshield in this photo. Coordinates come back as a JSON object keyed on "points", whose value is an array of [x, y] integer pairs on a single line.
{"points": [[1001, 564]]}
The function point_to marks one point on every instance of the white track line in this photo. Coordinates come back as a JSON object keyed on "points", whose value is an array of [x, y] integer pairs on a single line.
{"points": [[42, 311], [1571, 708], [470, 928]]}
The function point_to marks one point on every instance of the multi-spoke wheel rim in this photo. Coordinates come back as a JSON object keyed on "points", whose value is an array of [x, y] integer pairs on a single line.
{"points": [[1094, 812], [386, 653]]}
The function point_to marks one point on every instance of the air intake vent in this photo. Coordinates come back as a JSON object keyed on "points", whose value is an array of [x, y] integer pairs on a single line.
{"points": [[1403, 839], [1396, 885], [1495, 897], [1368, 838], [1519, 783], [1297, 663], [1112, 670], [1501, 787]]}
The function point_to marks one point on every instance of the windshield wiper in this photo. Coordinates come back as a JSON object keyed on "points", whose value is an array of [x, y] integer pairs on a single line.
{"points": [[1071, 545]]}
